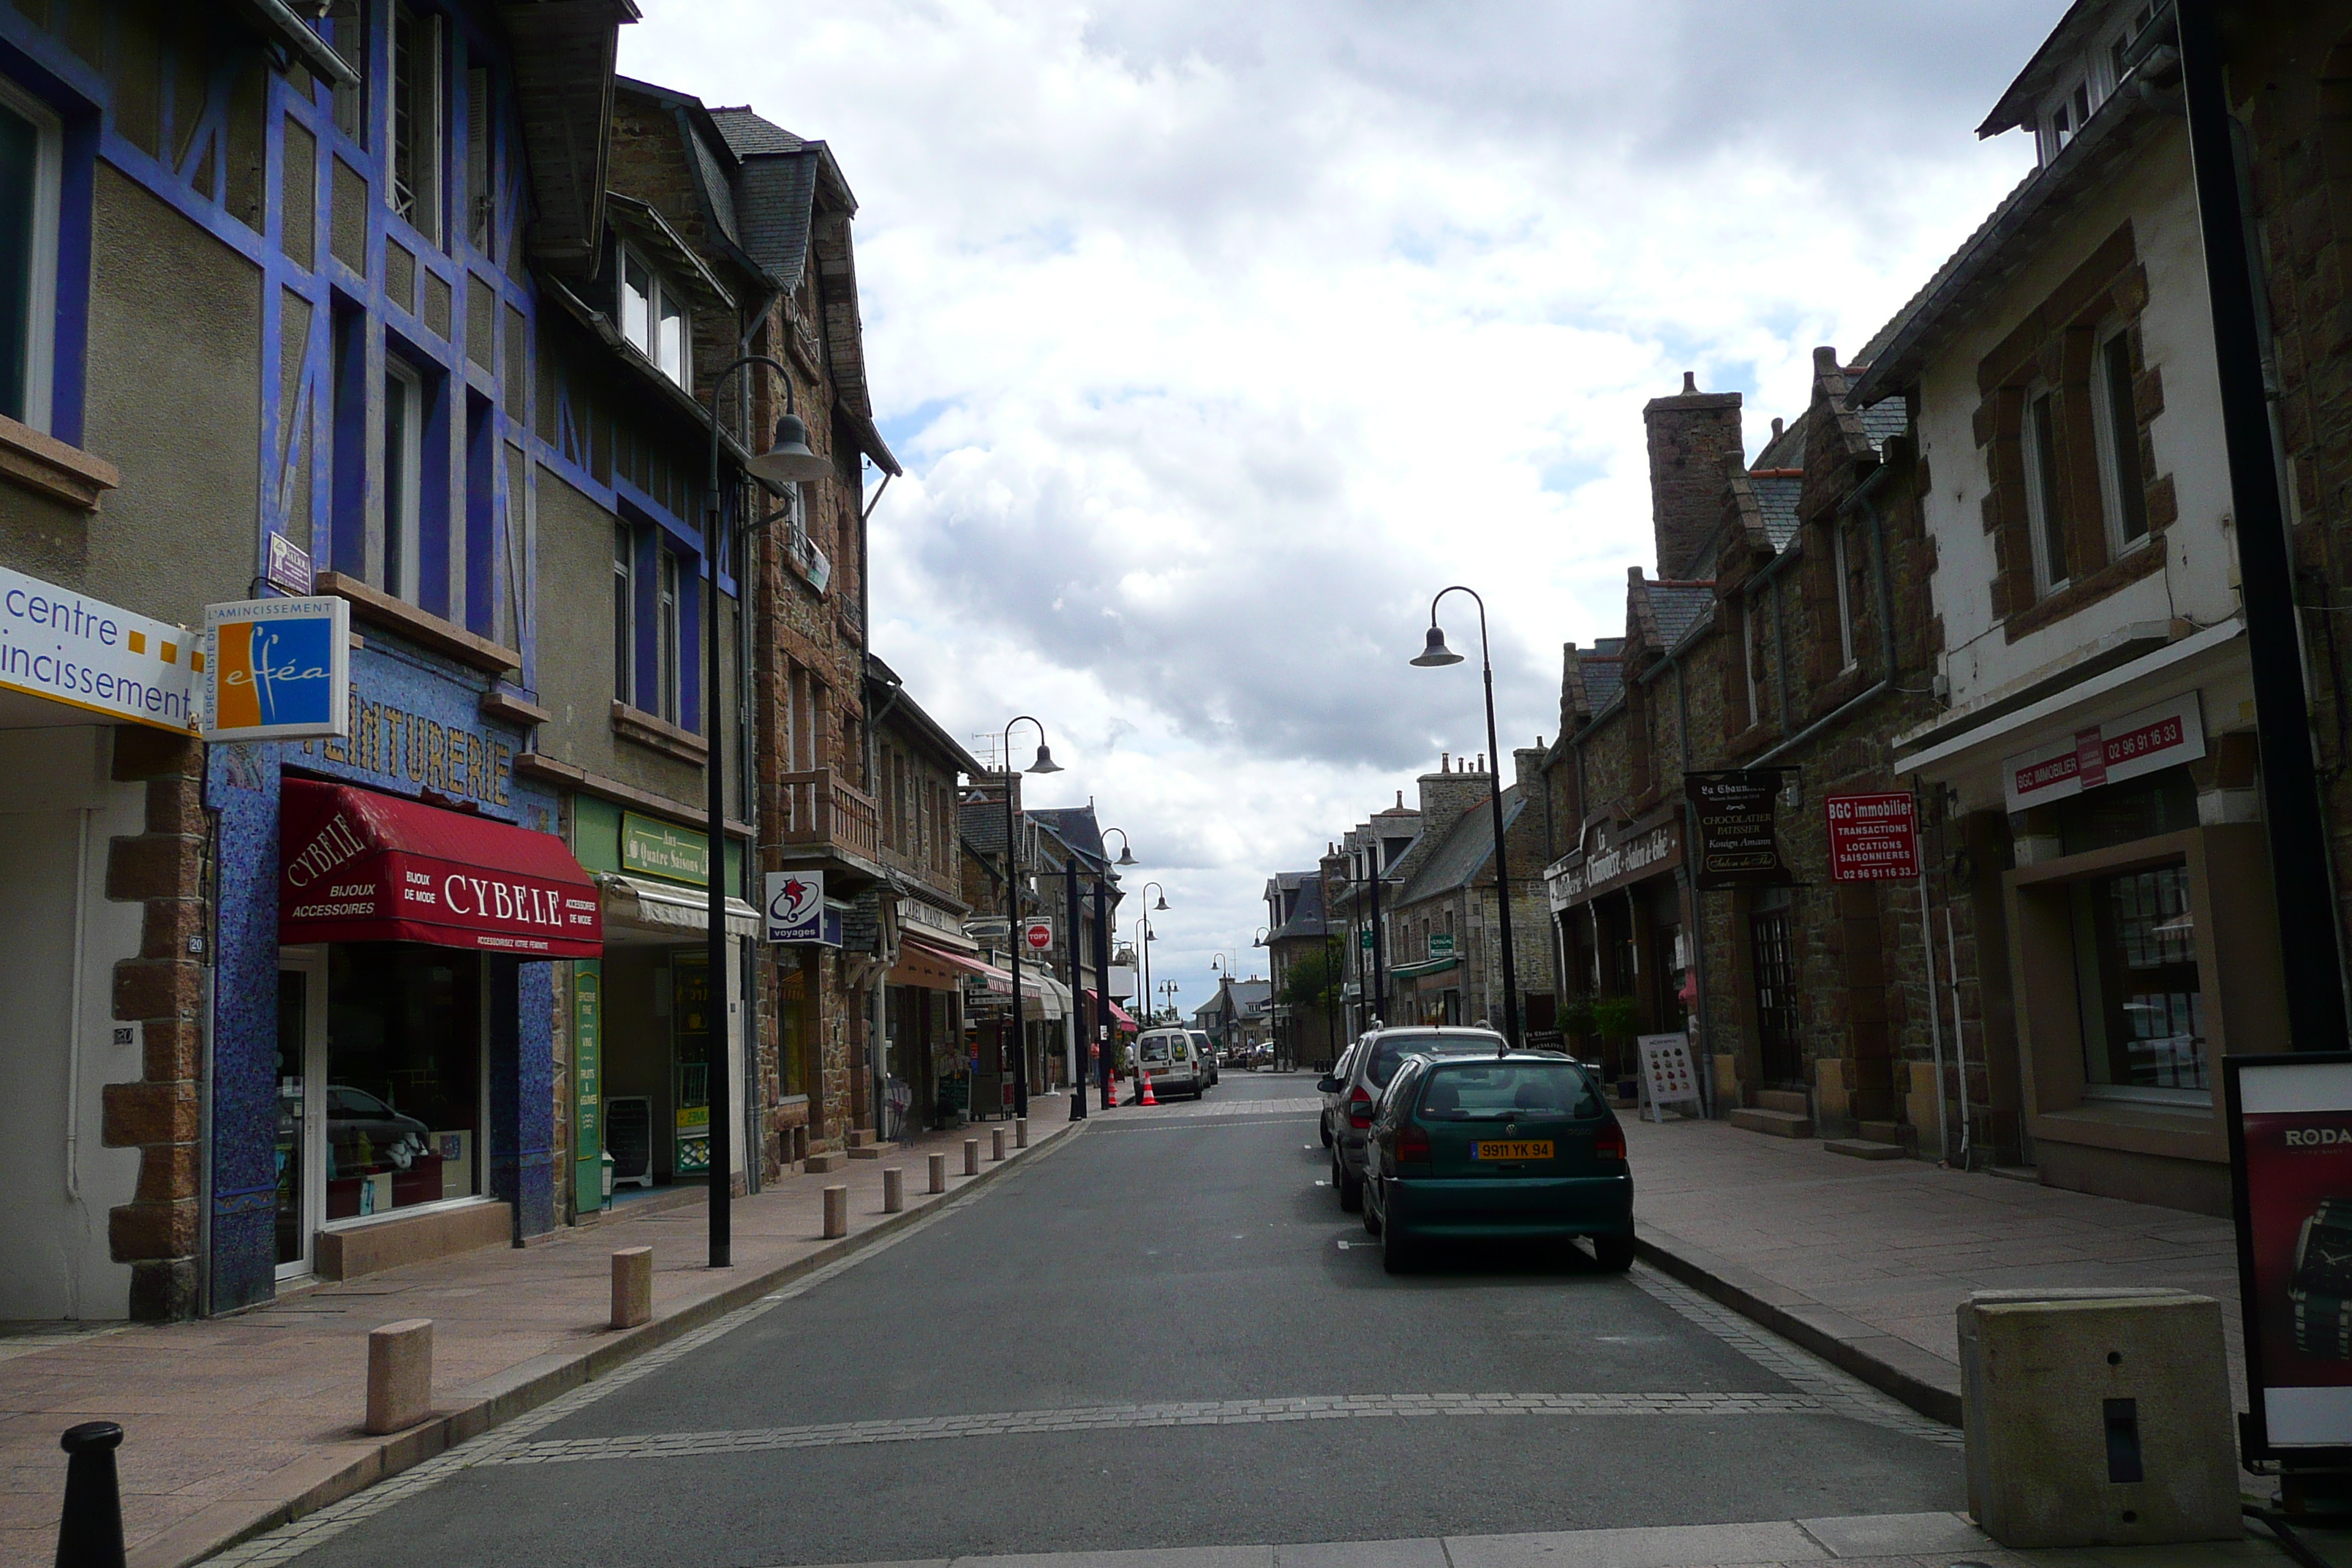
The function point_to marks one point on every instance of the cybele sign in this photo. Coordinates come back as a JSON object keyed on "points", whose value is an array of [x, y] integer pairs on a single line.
{"points": [[1037, 936]]}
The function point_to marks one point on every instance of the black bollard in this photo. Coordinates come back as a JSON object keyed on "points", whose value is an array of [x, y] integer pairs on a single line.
{"points": [[91, 1533]]}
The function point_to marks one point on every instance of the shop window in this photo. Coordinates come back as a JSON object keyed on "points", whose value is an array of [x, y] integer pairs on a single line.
{"points": [[2142, 998], [404, 1078], [2163, 802], [625, 614], [2045, 499], [2116, 426], [415, 184], [29, 186], [404, 478]]}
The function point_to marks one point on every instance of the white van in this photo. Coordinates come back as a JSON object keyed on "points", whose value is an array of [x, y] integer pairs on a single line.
{"points": [[1174, 1065]]}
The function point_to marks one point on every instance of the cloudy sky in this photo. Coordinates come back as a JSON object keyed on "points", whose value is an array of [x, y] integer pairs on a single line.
{"points": [[1217, 336]]}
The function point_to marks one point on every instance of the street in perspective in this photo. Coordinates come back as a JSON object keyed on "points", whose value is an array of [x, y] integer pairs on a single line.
{"points": [[1113, 785]]}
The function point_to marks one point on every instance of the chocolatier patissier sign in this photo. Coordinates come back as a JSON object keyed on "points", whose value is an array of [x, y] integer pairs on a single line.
{"points": [[357, 865]]}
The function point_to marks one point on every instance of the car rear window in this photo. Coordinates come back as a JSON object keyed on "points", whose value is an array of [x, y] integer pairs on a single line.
{"points": [[1155, 1047], [1474, 1091], [1392, 1049]]}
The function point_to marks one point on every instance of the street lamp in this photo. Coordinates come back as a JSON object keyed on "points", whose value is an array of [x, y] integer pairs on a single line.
{"points": [[1102, 963], [1043, 765], [1144, 947], [1223, 966], [787, 462], [1432, 655]]}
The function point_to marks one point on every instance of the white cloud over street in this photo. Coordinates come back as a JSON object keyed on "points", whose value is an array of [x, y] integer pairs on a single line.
{"points": [[1215, 338]]}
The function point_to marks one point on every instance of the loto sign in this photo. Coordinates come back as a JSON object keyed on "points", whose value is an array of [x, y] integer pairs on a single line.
{"points": [[1873, 837]]}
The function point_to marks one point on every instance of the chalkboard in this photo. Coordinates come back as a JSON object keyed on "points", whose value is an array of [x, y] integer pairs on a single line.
{"points": [[629, 1138]]}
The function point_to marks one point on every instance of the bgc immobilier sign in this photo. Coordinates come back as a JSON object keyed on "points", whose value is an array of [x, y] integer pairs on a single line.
{"points": [[1873, 837]]}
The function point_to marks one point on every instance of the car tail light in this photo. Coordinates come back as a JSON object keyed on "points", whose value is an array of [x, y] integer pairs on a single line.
{"points": [[1412, 1143], [1610, 1144], [1359, 1108]]}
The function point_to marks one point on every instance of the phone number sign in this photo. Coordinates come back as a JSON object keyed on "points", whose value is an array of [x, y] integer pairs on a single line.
{"points": [[1873, 837]]}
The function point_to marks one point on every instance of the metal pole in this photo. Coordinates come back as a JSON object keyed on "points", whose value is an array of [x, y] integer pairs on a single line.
{"points": [[1077, 1070], [1102, 986], [1380, 960], [1935, 1018], [1502, 858], [2299, 868], [1020, 1030]]}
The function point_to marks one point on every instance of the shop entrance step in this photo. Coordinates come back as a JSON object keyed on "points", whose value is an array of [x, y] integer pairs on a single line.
{"points": [[1778, 1123], [1864, 1149], [2016, 1172], [1787, 1102]]}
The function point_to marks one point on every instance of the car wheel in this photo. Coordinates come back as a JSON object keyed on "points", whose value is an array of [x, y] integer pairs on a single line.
{"points": [[1325, 1128], [1615, 1253], [1373, 1224], [1351, 1191], [1399, 1256]]}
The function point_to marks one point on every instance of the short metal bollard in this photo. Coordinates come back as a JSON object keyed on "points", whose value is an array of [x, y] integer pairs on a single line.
{"points": [[633, 1287], [938, 1172], [972, 1156], [996, 1143], [90, 1531], [836, 1212], [1021, 1133], [400, 1375], [894, 1189]]}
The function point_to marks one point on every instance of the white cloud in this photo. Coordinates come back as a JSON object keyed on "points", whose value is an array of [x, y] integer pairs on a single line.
{"points": [[1217, 336]]}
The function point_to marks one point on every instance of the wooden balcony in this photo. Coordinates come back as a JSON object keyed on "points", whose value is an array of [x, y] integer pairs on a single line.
{"points": [[821, 815]]}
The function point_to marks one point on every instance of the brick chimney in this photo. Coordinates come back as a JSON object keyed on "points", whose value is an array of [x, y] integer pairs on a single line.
{"points": [[1690, 435]]}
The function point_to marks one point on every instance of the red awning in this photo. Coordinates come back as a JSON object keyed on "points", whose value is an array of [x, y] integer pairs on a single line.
{"points": [[935, 968], [1118, 1014], [356, 865]]}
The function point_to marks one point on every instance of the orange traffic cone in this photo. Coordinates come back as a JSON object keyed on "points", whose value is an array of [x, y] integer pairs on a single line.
{"points": [[1148, 1098]]}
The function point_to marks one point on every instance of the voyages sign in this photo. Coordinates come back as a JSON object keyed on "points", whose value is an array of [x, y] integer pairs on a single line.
{"points": [[1736, 845]]}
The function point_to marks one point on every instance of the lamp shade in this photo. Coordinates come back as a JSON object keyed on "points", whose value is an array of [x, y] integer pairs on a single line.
{"points": [[1436, 653], [1045, 763], [1126, 858], [1162, 903], [788, 460]]}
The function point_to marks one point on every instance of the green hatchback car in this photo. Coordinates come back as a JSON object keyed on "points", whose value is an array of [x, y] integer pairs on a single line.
{"points": [[1512, 1147]]}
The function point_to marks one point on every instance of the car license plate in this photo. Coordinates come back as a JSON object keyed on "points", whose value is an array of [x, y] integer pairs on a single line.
{"points": [[1511, 1151]]}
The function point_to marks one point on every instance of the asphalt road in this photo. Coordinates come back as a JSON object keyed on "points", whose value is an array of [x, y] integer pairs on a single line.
{"points": [[1187, 1256]]}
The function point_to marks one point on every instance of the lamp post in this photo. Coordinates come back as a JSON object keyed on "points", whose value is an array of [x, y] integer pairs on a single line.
{"points": [[1043, 765], [1430, 657], [1273, 1025], [1223, 966], [788, 461], [1144, 947], [1102, 961]]}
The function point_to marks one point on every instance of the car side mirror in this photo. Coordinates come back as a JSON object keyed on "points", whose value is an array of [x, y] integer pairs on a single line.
{"points": [[1327, 1084]]}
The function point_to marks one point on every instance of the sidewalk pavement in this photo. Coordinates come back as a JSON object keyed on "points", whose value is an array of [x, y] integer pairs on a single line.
{"points": [[1862, 1262], [239, 1423]]}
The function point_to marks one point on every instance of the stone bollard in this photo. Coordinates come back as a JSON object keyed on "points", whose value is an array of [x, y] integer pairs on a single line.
{"points": [[972, 1156], [400, 1375], [894, 1189], [633, 1287], [90, 1531], [836, 1212], [938, 1167], [1021, 1133], [996, 1143]]}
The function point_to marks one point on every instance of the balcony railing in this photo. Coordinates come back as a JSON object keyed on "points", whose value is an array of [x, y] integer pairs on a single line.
{"points": [[823, 809]]}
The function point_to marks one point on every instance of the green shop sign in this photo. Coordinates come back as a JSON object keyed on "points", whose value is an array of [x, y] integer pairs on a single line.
{"points": [[1441, 945], [664, 849]]}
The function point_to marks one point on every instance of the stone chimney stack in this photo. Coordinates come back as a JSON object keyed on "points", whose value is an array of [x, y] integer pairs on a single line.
{"points": [[1444, 797], [1690, 435], [1526, 765]]}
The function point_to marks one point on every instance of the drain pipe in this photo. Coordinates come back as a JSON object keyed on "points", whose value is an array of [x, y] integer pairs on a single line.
{"points": [[1935, 1029], [1959, 1046]]}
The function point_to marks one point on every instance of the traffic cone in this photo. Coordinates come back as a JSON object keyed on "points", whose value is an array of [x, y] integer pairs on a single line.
{"points": [[1148, 1098]]}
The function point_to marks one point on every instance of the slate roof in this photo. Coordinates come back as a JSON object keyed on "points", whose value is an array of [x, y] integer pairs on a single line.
{"points": [[1679, 607], [981, 823], [1776, 497], [749, 136], [1076, 826], [1605, 671], [1307, 917], [1786, 450], [1463, 852], [1887, 417]]}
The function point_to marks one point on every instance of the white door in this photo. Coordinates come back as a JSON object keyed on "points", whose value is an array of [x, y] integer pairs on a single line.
{"points": [[301, 1105]]}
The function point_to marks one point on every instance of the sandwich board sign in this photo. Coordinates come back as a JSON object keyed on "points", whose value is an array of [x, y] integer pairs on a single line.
{"points": [[1667, 1076]]}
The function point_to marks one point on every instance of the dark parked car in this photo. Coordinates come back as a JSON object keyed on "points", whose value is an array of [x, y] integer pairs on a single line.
{"points": [[1332, 1086], [1514, 1147], [1377, 1056]]}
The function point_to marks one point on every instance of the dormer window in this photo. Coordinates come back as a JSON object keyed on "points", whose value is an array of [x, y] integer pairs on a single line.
{"points": [[2095, 76], [653, 318]]}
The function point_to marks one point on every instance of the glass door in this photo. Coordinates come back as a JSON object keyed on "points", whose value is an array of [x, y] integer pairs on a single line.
{"points": [[301, 1107]]}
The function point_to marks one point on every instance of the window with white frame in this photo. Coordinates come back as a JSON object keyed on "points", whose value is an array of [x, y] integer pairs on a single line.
{"points": [[1749, 654], [347, 33], [2045, 515], [2115, 420], [625, 614], [1842, 581], [29, 154], [415, 187], [404, 477], [666, 651], [654, 317], [2094, 78]]}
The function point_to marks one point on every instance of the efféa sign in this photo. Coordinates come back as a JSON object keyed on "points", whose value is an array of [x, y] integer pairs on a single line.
{"points": [[794, 906], [1873, 837], [278, 670], [2155, 737], [1037, 936]]}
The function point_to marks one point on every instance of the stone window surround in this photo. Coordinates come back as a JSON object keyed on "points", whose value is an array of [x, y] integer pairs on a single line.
{"points": [[2057, 344]]}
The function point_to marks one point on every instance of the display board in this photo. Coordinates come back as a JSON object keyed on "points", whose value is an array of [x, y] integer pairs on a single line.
{"points": [[1668, 1076], [1873, 837], [2290, 1124]]}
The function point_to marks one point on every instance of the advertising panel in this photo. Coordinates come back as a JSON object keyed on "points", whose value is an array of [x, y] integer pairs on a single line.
{"points": [[1667, 1073], [2290, 1122], [2171, 731], [278, 670], [1737, 847], [1873, 837], [795, 908], [57, 645]]}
